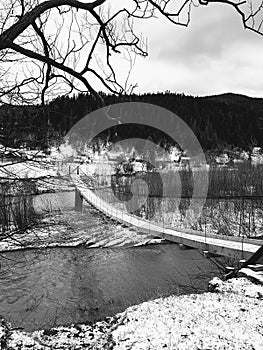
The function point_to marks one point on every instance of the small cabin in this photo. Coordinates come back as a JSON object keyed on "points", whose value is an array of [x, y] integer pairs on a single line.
{"points": [[256, 150]]}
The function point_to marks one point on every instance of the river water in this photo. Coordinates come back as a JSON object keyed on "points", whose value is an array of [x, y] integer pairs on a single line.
{"points": [[45, 288], [60, 286]]}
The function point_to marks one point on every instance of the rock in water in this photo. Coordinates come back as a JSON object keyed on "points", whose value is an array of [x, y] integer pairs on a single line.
{"points": [[215, 285]]}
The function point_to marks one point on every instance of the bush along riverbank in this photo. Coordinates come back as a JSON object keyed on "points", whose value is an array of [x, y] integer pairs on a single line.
{"points": [[228, 316]]}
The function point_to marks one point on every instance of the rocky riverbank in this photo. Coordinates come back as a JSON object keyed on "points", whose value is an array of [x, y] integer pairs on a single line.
{"points": [[229, 316]]}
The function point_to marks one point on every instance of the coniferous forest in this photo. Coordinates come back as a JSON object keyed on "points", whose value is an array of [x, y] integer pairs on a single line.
{"points": [[227, 120]]}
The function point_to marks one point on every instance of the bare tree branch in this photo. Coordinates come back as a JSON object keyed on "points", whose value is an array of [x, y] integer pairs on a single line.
{"points": [[72, 45], [56, 64]]}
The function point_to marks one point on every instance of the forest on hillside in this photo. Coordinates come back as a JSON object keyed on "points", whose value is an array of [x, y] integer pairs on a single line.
{"points": [[228, 120]]}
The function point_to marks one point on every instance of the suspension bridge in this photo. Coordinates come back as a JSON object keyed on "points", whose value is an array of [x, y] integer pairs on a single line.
{"points": [[240, 248]]}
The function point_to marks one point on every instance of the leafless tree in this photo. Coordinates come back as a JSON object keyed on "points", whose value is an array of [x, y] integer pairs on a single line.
{"points": [[60, 46]]}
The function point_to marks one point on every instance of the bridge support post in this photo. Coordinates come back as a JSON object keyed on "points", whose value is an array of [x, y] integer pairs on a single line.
{"points": [[206, 254], [78, 200], [241, 262], [182, 246], [229, 269]]}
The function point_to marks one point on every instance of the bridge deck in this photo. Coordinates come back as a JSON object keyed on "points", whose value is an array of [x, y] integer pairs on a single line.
{"points": [[217, 244]]}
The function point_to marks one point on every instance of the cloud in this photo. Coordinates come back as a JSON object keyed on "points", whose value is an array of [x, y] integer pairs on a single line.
{"points": [[212, 31], [213, 55]]}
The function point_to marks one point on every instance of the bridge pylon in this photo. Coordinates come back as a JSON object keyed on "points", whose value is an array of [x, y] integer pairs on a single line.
{"points": [[78, 200]]}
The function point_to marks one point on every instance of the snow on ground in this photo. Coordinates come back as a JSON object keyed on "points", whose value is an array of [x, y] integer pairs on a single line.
{"points": [[25, 169], [231, 318], [71, 229]]}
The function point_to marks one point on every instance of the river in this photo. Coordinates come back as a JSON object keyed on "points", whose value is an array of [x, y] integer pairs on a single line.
{"points": [[43, 288]]}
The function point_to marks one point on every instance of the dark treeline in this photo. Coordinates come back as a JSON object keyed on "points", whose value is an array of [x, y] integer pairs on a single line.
{"points": [[221, 121]]}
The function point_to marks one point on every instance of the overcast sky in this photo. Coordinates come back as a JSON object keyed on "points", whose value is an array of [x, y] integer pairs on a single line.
{"points": [[213, 55]]}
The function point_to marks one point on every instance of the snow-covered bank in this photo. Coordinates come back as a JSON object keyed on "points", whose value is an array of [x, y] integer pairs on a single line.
{"points": [[54, 184], [26, 169], [228, 317], [72, 229]]}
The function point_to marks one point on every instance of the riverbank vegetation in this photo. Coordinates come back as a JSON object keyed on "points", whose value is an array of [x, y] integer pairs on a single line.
{"points": [[17, 212], [243, 180], [231, 207]]}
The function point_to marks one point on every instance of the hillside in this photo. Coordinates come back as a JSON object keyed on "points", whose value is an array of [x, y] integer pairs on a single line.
{"points": [[230, 98], [226, 120]]}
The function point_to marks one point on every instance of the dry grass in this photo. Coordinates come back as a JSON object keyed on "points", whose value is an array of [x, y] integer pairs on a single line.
{"points": [[16, 209]]}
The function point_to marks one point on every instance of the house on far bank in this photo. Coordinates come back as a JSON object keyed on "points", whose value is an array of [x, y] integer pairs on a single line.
{"points": [[175, 154], [244, 155], [256, 156], [185, 161], [256, 150], [222, 159]]}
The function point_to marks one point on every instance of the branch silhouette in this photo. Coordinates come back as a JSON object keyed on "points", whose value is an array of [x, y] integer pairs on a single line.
{"points": [[62, 46]]}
